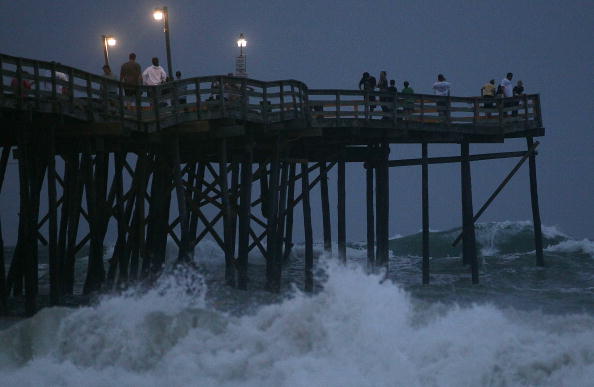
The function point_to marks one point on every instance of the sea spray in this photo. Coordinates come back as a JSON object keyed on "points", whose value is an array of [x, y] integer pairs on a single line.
{"points": [[358, 330]]}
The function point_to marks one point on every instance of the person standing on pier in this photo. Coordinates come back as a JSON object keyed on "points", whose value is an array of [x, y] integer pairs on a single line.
{"points": [[409, 103], [518, 91], [154, 74], [442, 88], [367, 83], [130, 73], [488, 91], [507, 89]]}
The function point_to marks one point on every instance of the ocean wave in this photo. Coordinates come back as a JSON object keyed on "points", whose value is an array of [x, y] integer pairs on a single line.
{"points": [[357, 331]]}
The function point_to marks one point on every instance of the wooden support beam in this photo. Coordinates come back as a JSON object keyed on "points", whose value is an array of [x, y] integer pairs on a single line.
{"points": [[341, 210], [95, 270], [499, 189], [382, 208], [227, 215], [307, 228], [455, 159], [244, 217], [425, 213], [271, 240], [469, 247], [326, 227], [289, 216], [534, 201], [280, 225], [184, 254], [370, 216]]}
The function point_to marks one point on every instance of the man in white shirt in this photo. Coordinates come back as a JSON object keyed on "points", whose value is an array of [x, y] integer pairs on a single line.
{"points": [[154, 75], [506, 85], [442, 88], [508, 90]]}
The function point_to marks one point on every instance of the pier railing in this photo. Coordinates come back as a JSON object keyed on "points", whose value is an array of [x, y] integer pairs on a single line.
{"points": [[52, 87]]}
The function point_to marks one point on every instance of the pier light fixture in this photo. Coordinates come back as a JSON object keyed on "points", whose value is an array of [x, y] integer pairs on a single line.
{"points": [[108, 41], [240, 62], [241, 42], [158, 14], [162, 14]]}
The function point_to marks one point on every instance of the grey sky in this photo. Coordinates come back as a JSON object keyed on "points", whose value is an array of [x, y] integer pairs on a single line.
{"points": [[328, 44]]}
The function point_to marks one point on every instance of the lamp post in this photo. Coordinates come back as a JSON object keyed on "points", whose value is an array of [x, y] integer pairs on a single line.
{"points": [[240, 66], [162, 14], [108, 41]]}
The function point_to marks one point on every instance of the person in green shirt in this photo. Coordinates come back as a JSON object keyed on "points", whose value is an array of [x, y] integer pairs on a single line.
{"points": [[409, 103]]}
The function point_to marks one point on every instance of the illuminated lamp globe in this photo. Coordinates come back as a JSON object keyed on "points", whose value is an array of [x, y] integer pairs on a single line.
{"points": [[158, 14]]}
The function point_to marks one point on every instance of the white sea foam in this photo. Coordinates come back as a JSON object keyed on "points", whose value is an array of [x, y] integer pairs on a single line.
{"points": [[584, 246], [358, 331]]}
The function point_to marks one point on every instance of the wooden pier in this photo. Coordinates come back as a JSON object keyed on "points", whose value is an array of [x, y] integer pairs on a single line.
{"points": [[233, 147]]}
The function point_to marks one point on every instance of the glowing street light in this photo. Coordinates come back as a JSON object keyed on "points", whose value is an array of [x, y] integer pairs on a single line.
{"points": [[108, 41], [240, 66], [162, 14], [241, 43]]}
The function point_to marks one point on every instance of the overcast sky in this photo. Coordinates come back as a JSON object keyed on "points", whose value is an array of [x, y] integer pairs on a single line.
{"points": [[328, 44]]}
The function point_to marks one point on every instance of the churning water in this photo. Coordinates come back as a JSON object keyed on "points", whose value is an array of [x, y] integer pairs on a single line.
{"points": [[523, 326]]}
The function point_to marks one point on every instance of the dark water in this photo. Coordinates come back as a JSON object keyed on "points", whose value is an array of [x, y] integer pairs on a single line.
{"points": [[522, 326]]}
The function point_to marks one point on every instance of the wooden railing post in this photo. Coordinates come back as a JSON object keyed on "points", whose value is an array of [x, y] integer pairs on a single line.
{"points": [[37, 84], [1, 77], [282, 102], [198, 97], [244, 99], [70, 86], [538, 114], [19, 90], [139, 90], [337, 107], [222, 95], [156, 91], [264, 104], [366, 100], [525, 101], [475, 110], [54, 86]]}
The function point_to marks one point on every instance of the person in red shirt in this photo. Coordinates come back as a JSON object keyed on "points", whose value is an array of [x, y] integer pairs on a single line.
{"points": [[25, 84]]}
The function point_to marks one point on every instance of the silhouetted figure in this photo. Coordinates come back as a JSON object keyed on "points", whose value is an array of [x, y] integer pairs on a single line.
{"points": [[130, 74], [367, 83], [518, 91], [382, 85]]}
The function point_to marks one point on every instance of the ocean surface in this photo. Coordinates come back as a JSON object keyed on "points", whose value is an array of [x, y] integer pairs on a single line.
{"points": [[522, 326]]}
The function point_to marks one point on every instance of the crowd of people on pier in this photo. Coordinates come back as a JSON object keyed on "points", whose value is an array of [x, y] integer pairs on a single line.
{"points": [[441, 87], [382, 91]]}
